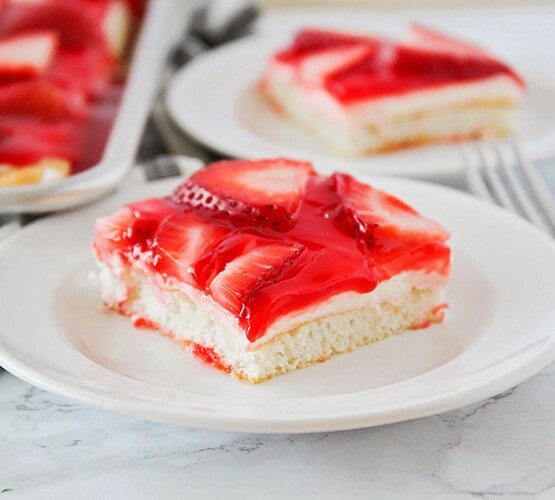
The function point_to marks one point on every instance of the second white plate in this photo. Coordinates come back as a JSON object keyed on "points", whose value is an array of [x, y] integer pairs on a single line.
{"points": [[213, 99]]}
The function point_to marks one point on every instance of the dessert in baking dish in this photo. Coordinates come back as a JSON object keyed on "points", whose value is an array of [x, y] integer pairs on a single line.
{"points": [[62, 71], [263, 267], [367, 94]]}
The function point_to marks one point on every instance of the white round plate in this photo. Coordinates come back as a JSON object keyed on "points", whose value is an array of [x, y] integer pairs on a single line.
{"points": [[214, 100], [499, 330]]}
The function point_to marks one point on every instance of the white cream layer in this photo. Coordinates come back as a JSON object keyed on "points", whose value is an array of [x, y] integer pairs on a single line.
{"points": [[114, 274]]}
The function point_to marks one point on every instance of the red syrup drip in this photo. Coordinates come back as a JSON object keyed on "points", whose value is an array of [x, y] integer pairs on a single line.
{"points": [[208, 355], [145, 323], [336, 257], [387, 68], [409, 70]]}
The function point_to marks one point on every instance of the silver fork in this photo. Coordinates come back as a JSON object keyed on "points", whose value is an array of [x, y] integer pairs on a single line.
{"points": [[499, 172]]}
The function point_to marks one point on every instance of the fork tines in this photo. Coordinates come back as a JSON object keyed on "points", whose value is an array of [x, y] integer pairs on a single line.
{"points": [[499, 172]]}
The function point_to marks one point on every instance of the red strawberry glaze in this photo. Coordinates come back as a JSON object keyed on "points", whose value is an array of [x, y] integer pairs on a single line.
{"points": [[331, 254], [145, 323], [436, 315], [38, 99], [312, 41], [84, 69], [25, 64], [386, 68], [23, 142], [408, 71], [208, 355]]}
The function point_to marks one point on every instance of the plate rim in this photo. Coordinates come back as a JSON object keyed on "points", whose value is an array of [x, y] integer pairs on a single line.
{"points": [[218, 421]]}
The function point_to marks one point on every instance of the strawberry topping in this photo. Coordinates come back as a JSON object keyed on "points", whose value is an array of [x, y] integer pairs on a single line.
{"points": [[356, 68], [68, 18], [26, 55], [180, 241], [33, 98], [312, 41], [265, 193], [132, 227], [422, 37], [380, 215], [248, 273], [24, 142]]}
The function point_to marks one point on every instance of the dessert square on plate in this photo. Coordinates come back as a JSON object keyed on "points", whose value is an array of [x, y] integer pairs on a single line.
{"points": [[364, 94], [486, 344], [262, 267]]}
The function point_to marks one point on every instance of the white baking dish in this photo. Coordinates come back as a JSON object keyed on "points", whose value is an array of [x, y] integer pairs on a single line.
{"points": [[163, 21]]}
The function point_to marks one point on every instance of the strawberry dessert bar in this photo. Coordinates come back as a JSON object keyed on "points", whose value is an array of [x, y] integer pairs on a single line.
{"points": [[62, 68], [262, 267], [366, 94]]}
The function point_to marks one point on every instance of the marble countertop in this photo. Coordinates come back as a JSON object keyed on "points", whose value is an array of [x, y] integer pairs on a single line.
{"points": [[53, 448]]}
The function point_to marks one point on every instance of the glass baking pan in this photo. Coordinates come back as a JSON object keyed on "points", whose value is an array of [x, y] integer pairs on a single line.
{"points": [[161, 26]]}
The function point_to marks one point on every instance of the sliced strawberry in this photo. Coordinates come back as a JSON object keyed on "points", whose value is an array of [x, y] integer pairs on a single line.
{"points": [[318, 53], [180, 241], [26, 55], [378, 214], [315, 69], [110, 231], [394, 70], [131, 229], [467, 59], [262, 193], [250, 272], [434, 67], [79, 24], [70, 19], [35, 98], [25, 142], [429, 39], [312, 41]]}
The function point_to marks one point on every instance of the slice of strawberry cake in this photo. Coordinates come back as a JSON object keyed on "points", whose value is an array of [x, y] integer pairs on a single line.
{"points": [[366, 94], [262, 267]]}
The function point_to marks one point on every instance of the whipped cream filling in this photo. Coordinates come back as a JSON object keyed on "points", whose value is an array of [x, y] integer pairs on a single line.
{"points": [[114, 291]]}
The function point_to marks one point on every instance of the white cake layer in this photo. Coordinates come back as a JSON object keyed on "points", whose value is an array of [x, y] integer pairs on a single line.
{"points": [[113, 278], [345, 322], [481, 108]]}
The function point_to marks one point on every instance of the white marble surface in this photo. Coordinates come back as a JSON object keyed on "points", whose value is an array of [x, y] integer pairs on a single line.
{"points": [[501, 447]]}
